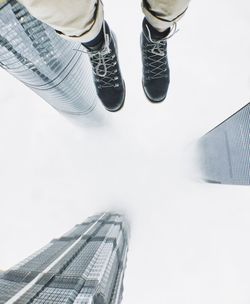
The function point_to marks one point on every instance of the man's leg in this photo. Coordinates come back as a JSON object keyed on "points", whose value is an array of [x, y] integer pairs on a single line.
{"points": [[161, 14], [160, 17], [75, 19], [83, 21]]}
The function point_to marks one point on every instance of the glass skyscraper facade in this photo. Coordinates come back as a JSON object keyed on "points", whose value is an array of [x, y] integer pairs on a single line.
{"points": [[54, 68], [225, 150], [84, 266]]}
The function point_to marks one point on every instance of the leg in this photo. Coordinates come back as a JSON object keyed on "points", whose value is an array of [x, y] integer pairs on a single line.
{"points": [[161, 14], [83, 21], [79, 20]]}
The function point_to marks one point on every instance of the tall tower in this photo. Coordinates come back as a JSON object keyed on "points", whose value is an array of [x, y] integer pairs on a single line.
{"points": [[225, 150], [84, 266], [54, 68]]}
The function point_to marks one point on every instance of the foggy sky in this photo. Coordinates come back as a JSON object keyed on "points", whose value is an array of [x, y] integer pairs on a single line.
{"points": [[189, 240]]}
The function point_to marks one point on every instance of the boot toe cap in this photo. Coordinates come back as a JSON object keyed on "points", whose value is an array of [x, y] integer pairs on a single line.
{"points": [[156, 89], [113, 99]]}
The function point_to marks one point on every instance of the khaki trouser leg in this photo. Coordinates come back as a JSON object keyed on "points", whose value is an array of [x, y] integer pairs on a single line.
{"points": [[79, 20], [161, 14]]}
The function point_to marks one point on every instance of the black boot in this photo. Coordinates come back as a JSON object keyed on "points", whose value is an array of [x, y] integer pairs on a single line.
{"points": [[155, 78], [108, 80]]}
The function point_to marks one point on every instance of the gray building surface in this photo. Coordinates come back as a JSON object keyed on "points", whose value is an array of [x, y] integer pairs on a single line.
{"points": [[84, 266], [225, 150], [54, 68]]}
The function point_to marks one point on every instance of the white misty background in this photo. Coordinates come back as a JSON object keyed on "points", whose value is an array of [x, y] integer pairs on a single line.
{"points": [[190, 241]]}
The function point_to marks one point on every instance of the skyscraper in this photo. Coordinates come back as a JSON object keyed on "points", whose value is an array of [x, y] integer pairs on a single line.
{"points": [[84, 266], [225, 150], [54, 68]]}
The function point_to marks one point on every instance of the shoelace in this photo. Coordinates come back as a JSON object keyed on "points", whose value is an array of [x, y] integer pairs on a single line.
{"points": [[104, 66], [156, 54]]}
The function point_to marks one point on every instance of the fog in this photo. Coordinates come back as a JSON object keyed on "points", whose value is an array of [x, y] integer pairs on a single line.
{"points": [[189, 240]]}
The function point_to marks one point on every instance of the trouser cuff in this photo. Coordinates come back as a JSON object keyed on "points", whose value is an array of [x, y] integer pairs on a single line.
{"points": [[92, 32], [161, 23]]}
